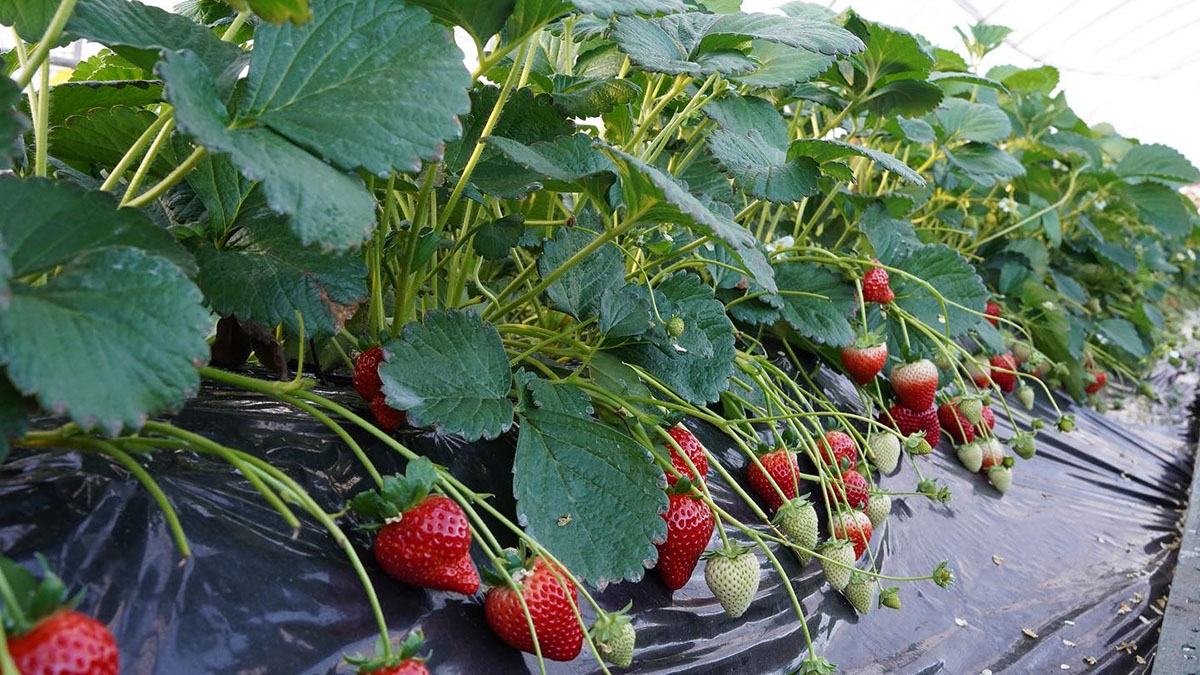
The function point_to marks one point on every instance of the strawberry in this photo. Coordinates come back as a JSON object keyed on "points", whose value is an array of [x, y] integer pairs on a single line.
{"points": [[797, 520], [970, 455], [694, 451], [1000, 477], [931, 426], [955, 423], [781, 467], [733, 575], [851, 488], [875, 287], [675, 326], [855, 527], [689, 527], [993, 452], [993, 311], [366, 373], [877, 509], [909, 422], [425, 540], [858, 592], [839, 567], [1002, 365], [1025, 394], [65, 643], [915, 384], [388, 418], [884, 451], [614, 637], [551, 604], [1022, 352], [1023, 444], [977, 373], [864, 363], [989, 417], [403, 661], [890, 597], [971, 409], [838, 450], [1098, 380]]}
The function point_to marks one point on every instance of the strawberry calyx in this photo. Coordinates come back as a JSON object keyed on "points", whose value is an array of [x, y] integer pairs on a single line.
{"points": [[31, 600], [730, 551], [405, 651], [398, 494], [683, 486], [942, 576], [790, 509], [610, 625], [511, 562], [817, 665]]}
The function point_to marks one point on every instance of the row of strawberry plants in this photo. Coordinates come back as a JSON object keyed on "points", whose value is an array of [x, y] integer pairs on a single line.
{"points": [[630, 213]]}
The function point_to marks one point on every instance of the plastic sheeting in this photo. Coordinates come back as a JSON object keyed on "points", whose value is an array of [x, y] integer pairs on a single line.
{"points": [[1077, 552]]}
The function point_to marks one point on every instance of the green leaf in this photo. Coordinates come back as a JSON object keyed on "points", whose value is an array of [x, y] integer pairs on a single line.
{"points": [[762, 169], [271, 276], [740, 115], [917, 131], [114, 337], [890, 52], [553, 397], [563, 162], [1070, 289], [34, 207], [29, 17], [76, 98], [13, 124], [823, 318], [664, 198], [139, 33], [526, 118], [695, 378], [892, 240], [277, 11], [451, 371], [612, 375], [102, 136], [967, 78], [1161, 206], [783, 66], [981, 159], [825, 150], [1158, 163], [578, 289], [992, 340], [1123, 335], [905, 97], [496, 239], [962, 120], [814, 36], [480, 18], [594, 98], [589, 494], [325, 205], [952, 276], [14, 415], [623, 313], [389, 104], [1041, 79], [608, 8], [224, 192]]}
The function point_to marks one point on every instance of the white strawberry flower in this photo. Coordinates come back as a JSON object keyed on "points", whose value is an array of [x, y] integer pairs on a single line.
{"points": [[1008, 205], [780, 244]]}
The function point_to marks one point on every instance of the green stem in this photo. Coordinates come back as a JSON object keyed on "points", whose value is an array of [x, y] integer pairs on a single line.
{"points": [[171, 179], [135, 150], [164, 133], [42, 126], [53, 31]]}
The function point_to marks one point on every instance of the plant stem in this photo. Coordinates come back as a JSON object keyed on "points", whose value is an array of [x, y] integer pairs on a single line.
{"points": [[53, 31], [171, 179], [164, 133], [41, 129], [134, 150]]}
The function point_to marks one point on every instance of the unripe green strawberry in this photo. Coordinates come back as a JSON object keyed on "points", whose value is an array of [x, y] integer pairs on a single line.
{"points": [[878, 508], [1026, 396], [675, 326], [614, 637], [1000, 477], [884, 451], [890, 597], [971, 456], [971, 409], [1065, 423], [797, 520], [841, 551], [1022, 444], [733, 575], [858, 592]]}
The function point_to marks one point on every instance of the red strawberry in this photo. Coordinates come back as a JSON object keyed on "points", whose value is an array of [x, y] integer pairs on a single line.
{"points": [[429, 547], [915, 384], [1100, 379], [694, 451], [388, 418], [844, 451], [780, 466], [931, 426], [689, 527], [401, 661], [875, 286], [366, 373], [550, 605], [989, 417], [993, 312], [909, 422], [979, 374], [955, 423], [855, 527], [65, 643], [1001, 363], [864, 363], [993, 452], [405, 667], [855, 488]]}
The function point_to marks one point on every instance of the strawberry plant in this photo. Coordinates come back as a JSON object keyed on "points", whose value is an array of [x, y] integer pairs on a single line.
{"points": [[621, 214]]}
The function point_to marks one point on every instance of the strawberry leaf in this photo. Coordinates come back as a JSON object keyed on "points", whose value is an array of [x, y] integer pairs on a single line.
{"points": [[277, 11], [76, 98], [579, 289], [823, 318], [480, 18], [102, 135], [114, 337], [451, 371], [589, 494], [538, 393], [950, 275], [13, 124], [1158, 163], [29, 17]]}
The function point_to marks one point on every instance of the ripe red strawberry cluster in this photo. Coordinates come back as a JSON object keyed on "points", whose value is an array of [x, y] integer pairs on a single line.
{"points": [[690, 521], [370, 387], [915, 386]]}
